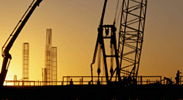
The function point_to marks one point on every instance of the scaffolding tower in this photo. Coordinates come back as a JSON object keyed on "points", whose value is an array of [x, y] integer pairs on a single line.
{"points": [[25, 74], [44, 76], [54, 65], [48, 59]]}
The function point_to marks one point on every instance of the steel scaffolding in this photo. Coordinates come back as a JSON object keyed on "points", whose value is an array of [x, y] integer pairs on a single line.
{"points": [[54, 65], [48, 60], [25, 74], [44, 76]]}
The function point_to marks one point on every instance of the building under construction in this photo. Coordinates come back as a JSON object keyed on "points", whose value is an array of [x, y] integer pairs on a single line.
{"points": [[50, 70], [25, 62], [121, 80], [54, 66], [25, 74]]}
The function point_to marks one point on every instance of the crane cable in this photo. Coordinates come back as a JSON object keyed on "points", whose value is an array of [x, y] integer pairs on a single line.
{"points": [[99, 59], [116, 12]]}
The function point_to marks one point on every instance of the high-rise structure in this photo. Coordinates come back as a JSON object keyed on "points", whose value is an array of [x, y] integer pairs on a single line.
{"points": [[25, 75], [50, 71], [54, 65], [48, 59]]}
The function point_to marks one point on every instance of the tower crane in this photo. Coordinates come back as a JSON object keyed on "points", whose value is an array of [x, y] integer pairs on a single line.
{"points": [[13, 36]]}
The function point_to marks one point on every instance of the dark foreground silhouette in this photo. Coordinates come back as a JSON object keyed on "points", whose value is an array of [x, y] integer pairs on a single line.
{"points": [[94, 92]]}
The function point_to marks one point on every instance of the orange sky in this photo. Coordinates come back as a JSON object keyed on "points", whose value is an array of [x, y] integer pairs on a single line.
{"points": [[74, 25]]}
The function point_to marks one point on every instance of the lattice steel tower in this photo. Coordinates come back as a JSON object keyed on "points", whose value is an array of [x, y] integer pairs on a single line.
{"points": [[131, 35], [48, 59], [126, 49], [54, 65], [25, 75]]}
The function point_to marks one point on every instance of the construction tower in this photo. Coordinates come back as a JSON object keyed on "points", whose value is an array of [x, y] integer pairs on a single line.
{"points": [[44, 76], [48, 59], [25, 75], [54, 66], [50, 70]]}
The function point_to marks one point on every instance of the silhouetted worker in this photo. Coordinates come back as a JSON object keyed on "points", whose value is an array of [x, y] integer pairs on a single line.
{"points": [[177, 78], [71, 82], [168, 81]]}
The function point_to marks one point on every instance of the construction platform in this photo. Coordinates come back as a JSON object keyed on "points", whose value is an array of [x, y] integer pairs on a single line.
{"points": [[147, 87], [94, 92]]}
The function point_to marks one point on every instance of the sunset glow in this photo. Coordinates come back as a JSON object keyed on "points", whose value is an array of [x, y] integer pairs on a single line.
{"points": [[74, 26]]}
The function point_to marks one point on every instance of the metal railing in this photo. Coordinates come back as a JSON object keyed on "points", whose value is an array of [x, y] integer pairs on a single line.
{"points": [[31, 83], [85, 80], [80, 80]]}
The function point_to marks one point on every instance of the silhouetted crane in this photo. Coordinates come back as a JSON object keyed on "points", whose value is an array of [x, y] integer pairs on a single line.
{"points": [[128, 52], [9, 43]]}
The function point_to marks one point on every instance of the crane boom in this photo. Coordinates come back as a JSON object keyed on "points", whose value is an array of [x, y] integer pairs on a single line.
{"points": [[9, 43]]}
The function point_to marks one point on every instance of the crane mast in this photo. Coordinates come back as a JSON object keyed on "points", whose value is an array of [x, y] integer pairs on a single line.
{"points": [[9, 43], [110, 33], [127, 52]]}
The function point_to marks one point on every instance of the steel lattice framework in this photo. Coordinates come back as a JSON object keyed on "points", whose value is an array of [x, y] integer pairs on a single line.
{"points": [[54, 66], [48, 59], [127, 52], [25, 75], [131, 35]]}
